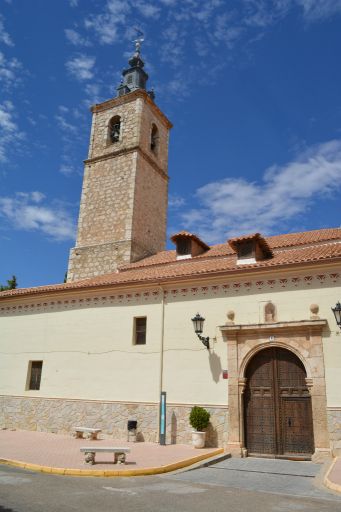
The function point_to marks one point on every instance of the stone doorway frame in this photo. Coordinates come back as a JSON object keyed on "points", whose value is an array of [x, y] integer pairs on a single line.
{"points": [[304, 339]]}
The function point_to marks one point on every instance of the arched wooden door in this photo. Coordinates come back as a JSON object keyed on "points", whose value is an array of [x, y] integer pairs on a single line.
{"points": [[277, 406]]}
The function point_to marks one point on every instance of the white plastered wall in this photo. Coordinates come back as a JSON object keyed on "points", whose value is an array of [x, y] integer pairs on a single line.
{"points": [[88, 352]]}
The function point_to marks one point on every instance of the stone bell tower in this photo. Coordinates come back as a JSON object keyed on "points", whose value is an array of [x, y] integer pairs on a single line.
{"points": [[123, 207]]}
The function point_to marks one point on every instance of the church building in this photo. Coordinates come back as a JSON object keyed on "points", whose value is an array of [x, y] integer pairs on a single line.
{"points": [[244, 328]]}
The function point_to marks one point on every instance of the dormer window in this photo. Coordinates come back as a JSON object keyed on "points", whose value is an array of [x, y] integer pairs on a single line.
{"points": [[250, 249], [183, 246], [115, 129], [154, 139], [188, 245]]}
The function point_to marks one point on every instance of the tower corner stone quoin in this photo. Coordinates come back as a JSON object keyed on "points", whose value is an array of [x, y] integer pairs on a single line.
{"points": [[123, 209]]}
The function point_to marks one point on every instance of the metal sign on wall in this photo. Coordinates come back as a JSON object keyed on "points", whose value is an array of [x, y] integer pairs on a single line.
{"points": [[163, 418]]}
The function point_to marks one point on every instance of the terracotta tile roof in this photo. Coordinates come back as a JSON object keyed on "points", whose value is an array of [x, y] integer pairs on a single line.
{"points": [[274, 242], [186, 234], [291, 249]]}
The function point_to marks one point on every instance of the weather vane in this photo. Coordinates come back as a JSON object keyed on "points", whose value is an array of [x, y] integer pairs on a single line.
{"points": [[139, 40]]}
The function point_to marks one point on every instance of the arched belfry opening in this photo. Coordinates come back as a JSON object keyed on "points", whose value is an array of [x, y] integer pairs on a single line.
{"points": [[154, 139], [114, 129], [277, 406]]}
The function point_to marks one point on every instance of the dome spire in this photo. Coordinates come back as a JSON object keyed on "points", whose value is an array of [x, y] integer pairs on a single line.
{"points": [[135, 76]]}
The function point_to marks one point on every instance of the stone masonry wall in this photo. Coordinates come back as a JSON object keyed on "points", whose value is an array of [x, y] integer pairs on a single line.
{"points": [[124, 194], [61, 415], [150, 207], [106, 208], [334, 427], [96, 260]]}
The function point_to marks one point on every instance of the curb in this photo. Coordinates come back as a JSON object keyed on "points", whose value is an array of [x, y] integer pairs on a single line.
{"points": [[121, 473], [328, 483], [205, 463]]}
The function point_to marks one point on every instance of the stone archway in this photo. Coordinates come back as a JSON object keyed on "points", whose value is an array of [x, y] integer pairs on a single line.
{"points": [[303, 338]]}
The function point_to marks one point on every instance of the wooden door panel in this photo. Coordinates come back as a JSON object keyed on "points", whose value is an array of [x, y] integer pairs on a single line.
{"points": [[260, 430], [296, 432]]}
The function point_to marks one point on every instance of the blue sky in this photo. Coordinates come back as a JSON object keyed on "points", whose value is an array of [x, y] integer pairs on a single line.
{"points": [[253, 88]]}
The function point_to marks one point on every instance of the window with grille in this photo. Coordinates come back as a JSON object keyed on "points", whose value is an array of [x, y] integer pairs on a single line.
{"points": [[35, 368], [246, 249], [183, 246], [140, 330]]}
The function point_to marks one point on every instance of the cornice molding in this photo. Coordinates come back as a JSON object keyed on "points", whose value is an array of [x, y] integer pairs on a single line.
{"points": [[274, 326], [127, 98], [125, 151]]}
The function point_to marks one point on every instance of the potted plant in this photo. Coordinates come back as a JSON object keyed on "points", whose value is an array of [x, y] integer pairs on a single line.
{"points": [[199, 419]]}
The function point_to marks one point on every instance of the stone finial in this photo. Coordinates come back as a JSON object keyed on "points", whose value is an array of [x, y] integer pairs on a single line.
{"points": [[230, 317], [314, 309]]}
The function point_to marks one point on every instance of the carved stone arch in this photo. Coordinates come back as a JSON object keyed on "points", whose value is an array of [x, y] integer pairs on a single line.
{"points": [[303, 339], [245, 361]]}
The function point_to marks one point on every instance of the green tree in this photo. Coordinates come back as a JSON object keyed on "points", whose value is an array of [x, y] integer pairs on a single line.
{"points": [[11, 284]]}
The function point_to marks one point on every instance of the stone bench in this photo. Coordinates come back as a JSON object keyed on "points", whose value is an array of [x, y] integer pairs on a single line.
{"points": [[93, 432], [119, 453]]}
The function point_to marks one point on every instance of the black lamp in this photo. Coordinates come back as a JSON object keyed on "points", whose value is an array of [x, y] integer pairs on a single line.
{"points": [[337, 313], [198, 324]]}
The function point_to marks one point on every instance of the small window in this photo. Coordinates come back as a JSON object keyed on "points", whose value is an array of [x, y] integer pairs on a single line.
{"points": [[154, 139], [246, 249], [115, 129], [130, 79], [140, 329], [183, 246], [35, 368]]}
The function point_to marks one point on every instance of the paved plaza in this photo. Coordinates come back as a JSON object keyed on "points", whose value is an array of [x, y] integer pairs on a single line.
{"points": [[63, 452]]}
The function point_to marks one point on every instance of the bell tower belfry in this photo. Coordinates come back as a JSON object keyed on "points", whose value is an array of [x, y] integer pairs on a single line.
{"points": [[123, 208]]}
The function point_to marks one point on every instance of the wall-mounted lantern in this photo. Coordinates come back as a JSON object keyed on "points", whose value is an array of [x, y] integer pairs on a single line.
{"points": [[337, 313], [198, 324]]}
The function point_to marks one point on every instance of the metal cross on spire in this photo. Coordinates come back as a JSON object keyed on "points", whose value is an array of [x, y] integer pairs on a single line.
{"points": [[139, 40]]}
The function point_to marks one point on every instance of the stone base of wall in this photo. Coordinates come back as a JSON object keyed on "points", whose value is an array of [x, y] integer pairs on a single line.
{"points": [[180, 431], [334, 427], [61, 415]]}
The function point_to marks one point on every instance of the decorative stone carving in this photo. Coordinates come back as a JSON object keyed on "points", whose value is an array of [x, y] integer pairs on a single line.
{"points": [[269, 312], [230, 317], [314, 309], [120, 458], [90, 458]]}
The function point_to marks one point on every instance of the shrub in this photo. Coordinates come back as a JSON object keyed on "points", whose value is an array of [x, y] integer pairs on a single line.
{"points": [[199, 418]]}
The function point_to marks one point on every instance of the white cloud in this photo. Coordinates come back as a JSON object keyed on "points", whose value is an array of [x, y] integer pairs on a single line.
{"points": [[65, 125], [147, 9], [4, 36], [107, 25], [73, 3], [68, 169], [10, 135], [81, 67], [8, 70], [76, 38], [71, 124], [175, 201], [315, 10], [26, 212], [233, 206]]}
